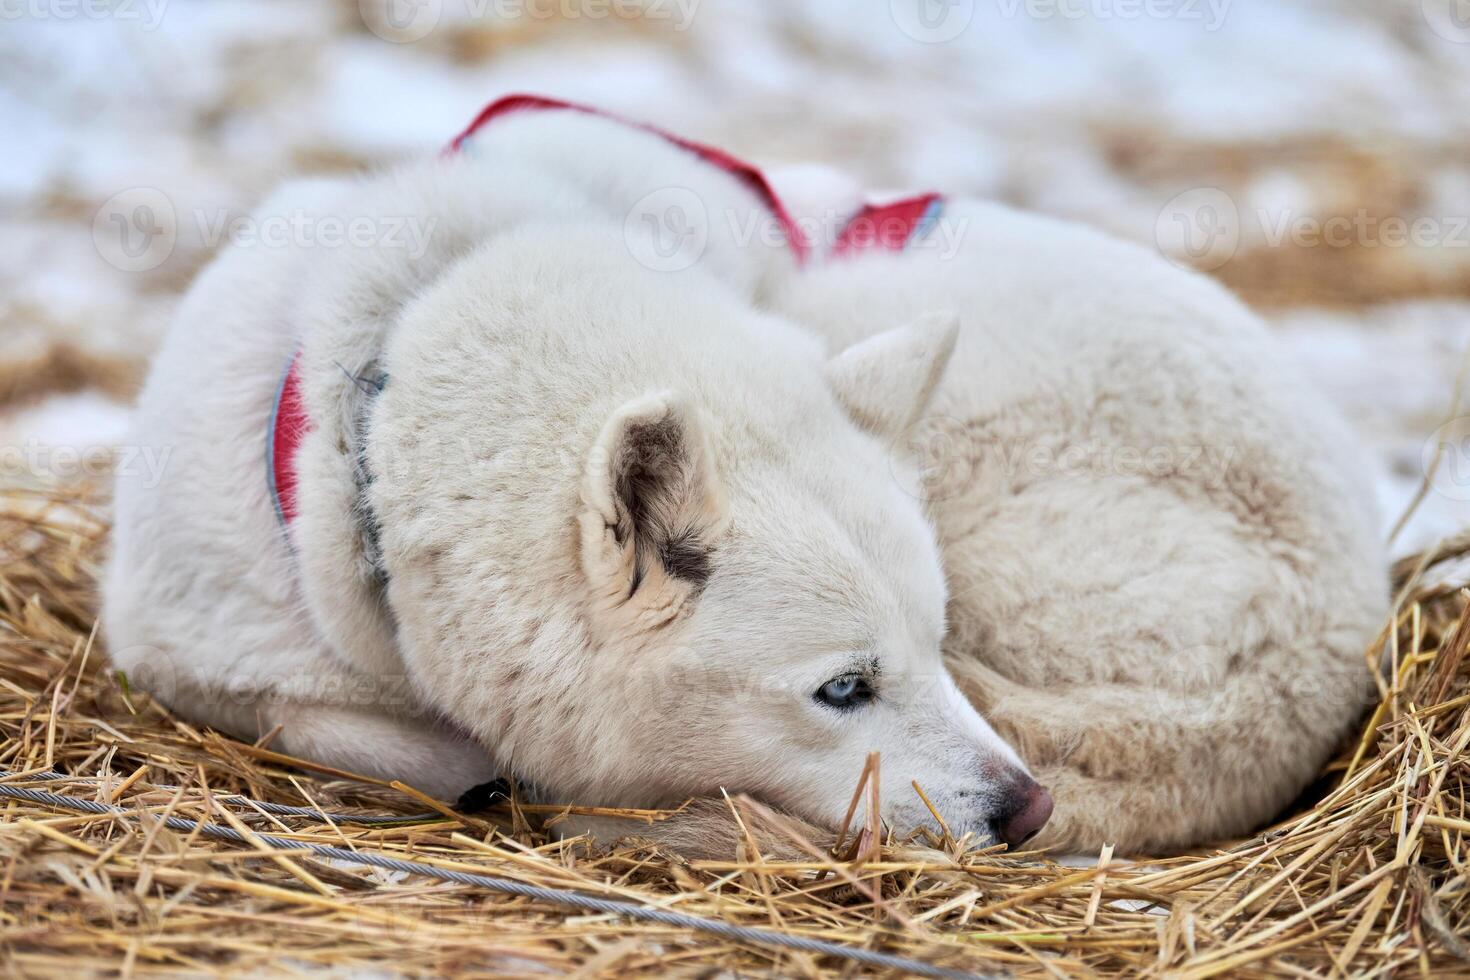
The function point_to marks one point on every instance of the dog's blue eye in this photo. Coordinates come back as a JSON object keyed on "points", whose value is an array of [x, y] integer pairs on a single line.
{"points": [[845, 692]]}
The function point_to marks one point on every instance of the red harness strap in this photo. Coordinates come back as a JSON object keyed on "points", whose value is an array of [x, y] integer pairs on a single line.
{"points": [[890, 227], [289, 425], [747, 174]]}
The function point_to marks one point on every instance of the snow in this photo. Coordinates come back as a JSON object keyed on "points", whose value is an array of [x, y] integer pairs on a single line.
{"points": [[83, 421], [1097, 110], [1391, 371]]}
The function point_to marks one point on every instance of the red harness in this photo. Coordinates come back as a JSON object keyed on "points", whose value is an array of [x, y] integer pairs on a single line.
{"points": [[887, 227]]}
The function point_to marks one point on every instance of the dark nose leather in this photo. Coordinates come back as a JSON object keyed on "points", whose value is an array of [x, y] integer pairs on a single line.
{"points": [[1027, 810]]}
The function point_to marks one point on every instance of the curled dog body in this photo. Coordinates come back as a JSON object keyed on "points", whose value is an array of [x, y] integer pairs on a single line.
{"points": [[636, 520]]}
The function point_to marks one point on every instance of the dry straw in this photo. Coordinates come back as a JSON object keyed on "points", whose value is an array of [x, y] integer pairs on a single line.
{"points": [[1368, 880]]}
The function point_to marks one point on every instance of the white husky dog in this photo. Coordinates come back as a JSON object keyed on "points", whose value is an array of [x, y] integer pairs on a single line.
{"points": [[552, 497]]}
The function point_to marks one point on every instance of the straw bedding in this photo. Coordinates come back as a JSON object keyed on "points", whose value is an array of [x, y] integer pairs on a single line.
{"points": [[1369, 879]]}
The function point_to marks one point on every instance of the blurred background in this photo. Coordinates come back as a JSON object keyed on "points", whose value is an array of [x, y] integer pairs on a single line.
{"points": [[1314, 155]]}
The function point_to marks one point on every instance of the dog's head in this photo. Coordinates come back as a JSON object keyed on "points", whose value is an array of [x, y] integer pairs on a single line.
{"points": [[795, 603], [735, 589]]}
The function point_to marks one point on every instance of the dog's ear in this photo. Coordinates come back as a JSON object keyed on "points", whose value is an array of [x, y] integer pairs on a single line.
{"points": [[652, 509], [886, 381]]}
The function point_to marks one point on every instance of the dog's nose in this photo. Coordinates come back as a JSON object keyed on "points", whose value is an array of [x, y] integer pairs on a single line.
{"points": [[1027, 811]]}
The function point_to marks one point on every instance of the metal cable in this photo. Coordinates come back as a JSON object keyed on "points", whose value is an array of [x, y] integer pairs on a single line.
{"points": [[275, 809], [557, 896]]}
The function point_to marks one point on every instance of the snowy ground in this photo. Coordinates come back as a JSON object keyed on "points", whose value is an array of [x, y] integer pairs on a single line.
{"points": [[1313, 155]]}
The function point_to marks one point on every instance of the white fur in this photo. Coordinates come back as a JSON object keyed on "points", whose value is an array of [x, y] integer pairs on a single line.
{"points": [[1162, 552], [532, 621]]}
